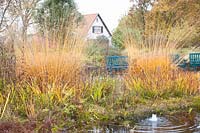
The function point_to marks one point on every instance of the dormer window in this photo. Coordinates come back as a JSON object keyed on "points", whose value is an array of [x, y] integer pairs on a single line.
{"points": [[97, 29]]}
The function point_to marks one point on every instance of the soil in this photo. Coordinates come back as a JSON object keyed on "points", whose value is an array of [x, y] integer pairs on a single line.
{"points": [[15, 127]]}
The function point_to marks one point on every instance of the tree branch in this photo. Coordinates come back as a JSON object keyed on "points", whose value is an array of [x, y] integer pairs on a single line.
{"points": [[4, 12]]}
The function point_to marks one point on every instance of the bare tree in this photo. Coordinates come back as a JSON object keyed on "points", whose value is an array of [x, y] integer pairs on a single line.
{"points": [[24, 9], [5, 21]]}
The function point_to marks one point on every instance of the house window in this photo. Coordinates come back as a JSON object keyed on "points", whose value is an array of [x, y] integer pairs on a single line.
{"points": [[97, 29]]}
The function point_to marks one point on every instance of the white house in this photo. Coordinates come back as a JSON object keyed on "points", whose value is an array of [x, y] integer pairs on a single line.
{"points": [[94, 26]]}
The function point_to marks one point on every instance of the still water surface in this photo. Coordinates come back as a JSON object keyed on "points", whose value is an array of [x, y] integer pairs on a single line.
{"points": [[178, 123]]}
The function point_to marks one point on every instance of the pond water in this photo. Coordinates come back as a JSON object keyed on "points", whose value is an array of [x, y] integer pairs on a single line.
{"points": [[177, 123]]}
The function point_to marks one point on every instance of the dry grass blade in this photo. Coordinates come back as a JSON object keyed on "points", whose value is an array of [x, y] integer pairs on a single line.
{"points": [[48, 62]]}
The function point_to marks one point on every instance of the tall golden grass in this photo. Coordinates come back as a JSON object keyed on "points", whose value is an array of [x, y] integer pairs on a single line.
{"points": [[152, 71], [49, 63]]}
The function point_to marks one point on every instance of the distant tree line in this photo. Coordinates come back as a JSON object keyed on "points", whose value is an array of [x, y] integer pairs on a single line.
{"points": [[148, 16], [48, 16]]}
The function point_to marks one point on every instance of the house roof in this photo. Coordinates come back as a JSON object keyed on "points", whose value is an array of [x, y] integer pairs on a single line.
{"points": [[88, 20]]}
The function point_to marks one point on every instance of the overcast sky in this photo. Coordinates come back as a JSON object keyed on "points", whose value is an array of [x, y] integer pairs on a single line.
{"points": [[110, 10]]}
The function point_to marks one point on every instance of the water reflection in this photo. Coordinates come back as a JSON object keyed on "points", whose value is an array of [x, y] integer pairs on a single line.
{"points": [[110, 129], [178, 123]]}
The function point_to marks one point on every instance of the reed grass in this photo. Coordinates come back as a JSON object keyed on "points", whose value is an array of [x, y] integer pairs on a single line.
{"points": [[51, 85], [49, 63], [152, 72]]}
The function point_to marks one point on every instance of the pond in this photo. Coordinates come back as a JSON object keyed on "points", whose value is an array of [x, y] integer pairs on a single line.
{"points": [[176, 123]]}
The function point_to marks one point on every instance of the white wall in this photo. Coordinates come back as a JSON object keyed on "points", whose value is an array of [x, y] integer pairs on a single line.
{"points": [[94, 35]]}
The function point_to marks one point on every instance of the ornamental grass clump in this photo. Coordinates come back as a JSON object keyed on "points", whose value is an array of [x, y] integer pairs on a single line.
{"points": [[50, 63], [152, 72], [49, 77], [154, 77]]}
